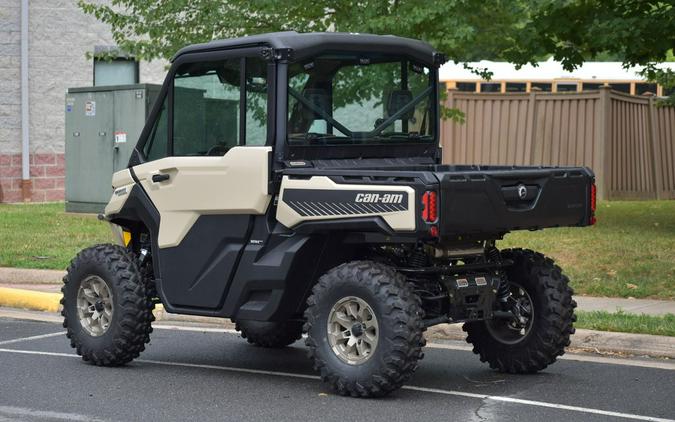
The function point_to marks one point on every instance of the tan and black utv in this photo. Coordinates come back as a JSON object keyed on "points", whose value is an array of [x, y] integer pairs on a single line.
{"points": [[292, 183]]}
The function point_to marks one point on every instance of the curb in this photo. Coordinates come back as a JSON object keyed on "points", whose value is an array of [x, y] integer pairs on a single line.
{"points": [[601, 342], [30, 299]]}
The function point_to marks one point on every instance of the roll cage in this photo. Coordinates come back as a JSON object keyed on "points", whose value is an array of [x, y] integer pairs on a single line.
{"points": [[281, 49]]}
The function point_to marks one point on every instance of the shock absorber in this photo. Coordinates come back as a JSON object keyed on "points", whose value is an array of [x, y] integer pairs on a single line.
{"points": [[503, 291], [417, 258]]}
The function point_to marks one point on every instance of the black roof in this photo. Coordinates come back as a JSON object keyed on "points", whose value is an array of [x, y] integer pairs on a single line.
{"points": [[305, 45]]}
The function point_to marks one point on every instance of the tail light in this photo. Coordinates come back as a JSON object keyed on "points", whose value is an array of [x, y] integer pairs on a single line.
{"points": [[430, 206], [594, 198]]}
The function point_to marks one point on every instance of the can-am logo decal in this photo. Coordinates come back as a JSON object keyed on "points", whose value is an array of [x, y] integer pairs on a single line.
{"points": [[338, 202], [376, 198]]}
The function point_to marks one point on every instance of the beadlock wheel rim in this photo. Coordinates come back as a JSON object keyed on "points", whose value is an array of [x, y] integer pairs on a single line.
{"points": [[352, 330], [94, 305], [509, 331]]}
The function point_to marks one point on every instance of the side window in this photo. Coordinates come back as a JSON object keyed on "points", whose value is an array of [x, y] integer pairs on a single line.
{"points": [[206, 100], [256, 102], [207, 106], [157, 145]]}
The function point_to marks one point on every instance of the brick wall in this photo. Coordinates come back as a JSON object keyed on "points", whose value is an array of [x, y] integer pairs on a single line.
{"points": [[47, 172], [60, 36]]}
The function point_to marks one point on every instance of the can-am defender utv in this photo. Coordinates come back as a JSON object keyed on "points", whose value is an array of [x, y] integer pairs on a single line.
{"points": [[292, 182]]}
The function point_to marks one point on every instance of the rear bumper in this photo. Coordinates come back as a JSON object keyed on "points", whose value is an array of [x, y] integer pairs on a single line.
{"points": [[498, 200]]}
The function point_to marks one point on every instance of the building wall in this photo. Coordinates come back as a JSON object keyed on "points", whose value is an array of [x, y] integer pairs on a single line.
{"points": [[60, 36]]}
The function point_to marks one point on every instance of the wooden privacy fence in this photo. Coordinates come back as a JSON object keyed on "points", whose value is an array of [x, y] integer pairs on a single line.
{"points": [[628, 141]]}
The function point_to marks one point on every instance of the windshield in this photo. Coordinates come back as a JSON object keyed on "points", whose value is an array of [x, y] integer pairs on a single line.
{"points": [[349, 98]]}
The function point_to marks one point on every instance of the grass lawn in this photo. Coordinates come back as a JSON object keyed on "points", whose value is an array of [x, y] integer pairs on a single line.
{"points": [[44, 236], [627, 323], [630, 252]]}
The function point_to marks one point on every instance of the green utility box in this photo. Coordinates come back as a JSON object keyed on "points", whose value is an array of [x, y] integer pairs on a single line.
{"points": [[103, 124]]}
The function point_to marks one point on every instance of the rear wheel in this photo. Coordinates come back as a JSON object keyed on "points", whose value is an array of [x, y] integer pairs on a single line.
{"points": [[106, 309], [270, 334], [364, 329], [541, 301]]}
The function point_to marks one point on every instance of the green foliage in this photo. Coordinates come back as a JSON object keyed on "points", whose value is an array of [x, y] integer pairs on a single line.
{"points": [[627, 323], [628, 253], [44, 236], [150, 30], [641, 32]]}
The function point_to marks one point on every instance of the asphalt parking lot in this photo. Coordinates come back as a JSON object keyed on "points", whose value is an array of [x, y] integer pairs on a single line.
{"points": [[199, 373]]}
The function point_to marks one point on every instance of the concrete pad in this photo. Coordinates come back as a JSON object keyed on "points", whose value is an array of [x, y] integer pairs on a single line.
{"points": [[30, 276], [586, 340], [631, 306]]}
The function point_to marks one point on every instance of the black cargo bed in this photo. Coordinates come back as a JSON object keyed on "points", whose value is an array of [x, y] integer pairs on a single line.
{"points": [[497, 199]]}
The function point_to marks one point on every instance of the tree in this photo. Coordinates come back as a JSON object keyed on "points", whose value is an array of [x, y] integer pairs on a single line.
{"points": [[573, 31], [464, 30], [640, 32]]}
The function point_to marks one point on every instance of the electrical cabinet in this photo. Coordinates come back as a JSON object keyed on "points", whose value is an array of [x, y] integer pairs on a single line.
{"points": [[103, 124]]}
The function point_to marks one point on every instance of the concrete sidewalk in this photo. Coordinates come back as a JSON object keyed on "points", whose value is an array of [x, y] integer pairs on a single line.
{"points": [[49, 281], [630, 306], [30, 276]]}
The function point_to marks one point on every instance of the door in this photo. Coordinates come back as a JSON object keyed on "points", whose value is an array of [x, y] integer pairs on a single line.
{"points": [[206, 178]]}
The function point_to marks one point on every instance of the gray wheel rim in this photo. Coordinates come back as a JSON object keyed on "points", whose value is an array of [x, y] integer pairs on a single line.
{"points": [[352, 330], [510, 331], [94, 305]]}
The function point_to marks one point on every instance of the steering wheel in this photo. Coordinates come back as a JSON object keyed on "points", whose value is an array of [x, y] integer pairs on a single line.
{"points": [[217, 150]]}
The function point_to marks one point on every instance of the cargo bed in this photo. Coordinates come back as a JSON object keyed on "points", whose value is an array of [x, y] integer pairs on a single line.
{"points": [[497, 199]]}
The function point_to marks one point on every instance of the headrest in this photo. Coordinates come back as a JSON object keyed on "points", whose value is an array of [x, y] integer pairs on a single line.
{"points": [[397, 100], [320, 98]]}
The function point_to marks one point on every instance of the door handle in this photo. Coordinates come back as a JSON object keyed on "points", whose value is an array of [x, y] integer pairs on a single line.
{"points": [[156, 178]]}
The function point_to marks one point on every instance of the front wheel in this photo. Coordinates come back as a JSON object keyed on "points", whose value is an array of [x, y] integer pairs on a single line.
{"points": [[106, 308], [364, 329], [541, 301]]}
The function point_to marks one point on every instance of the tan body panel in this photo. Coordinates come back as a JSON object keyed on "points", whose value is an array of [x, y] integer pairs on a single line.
{"points": [[236, 183], [122, 182], [399, 220]]}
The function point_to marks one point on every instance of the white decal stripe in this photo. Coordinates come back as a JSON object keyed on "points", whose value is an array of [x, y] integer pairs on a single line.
{"points": [[364, 208], [300, 207], [310, 210], [323, 208], [332, 207], [316, 208], [353, 208]]}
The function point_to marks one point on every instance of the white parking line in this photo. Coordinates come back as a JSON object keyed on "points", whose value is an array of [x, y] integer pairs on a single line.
{"points": [[539, 404], [504, 399], [656, 364], [44, 414], [16, 340]]}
